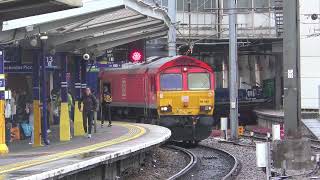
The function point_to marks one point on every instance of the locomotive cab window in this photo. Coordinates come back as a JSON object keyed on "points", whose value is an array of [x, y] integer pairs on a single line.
{"points": [[199, 81], [171, 82]]}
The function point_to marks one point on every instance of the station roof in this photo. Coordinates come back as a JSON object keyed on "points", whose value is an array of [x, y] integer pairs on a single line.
{"points": [[14, 9], [94, 27]]}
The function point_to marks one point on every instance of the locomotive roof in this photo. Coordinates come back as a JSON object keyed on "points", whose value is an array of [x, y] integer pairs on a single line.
{"points": [[156, 62]]}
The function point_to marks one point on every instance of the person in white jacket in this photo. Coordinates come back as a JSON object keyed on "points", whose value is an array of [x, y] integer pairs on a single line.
{"points": [[7, 111], [13, 104]]}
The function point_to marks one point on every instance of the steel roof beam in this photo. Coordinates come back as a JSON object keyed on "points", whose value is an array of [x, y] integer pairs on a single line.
{"points": [[141, 7], [127, 39], [71, 36], [45, 27], [124, 33], [74, 46], [101, 49]]}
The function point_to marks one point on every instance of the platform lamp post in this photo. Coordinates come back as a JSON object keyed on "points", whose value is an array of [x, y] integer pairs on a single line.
{"points": [[3, 147], [44, 133]]}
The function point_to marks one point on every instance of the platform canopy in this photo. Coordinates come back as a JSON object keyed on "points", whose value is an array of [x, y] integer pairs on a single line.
{"points": [[14, 9], [96, 26]]}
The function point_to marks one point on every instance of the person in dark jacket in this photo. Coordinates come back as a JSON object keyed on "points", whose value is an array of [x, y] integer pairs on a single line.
{"points": [[90, 104], [106, 101]]}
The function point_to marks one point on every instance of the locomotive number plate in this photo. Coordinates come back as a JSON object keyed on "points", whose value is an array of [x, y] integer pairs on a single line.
{"points": [[204, 101]]}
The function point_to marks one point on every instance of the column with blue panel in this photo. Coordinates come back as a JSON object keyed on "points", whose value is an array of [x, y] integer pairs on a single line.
{"points": [[36, 98], [44, 123], [78, 119], [3, 147], [64, 112], [83, 78]]}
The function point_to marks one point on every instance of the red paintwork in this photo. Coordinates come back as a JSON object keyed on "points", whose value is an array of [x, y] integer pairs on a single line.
{"points": [[138, 85]]}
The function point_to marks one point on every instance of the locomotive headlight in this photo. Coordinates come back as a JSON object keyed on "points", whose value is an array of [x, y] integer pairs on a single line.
{"points": [[205, 108], [165, 109]]}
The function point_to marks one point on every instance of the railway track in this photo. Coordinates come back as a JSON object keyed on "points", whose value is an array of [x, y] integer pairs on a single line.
{"points": [[315, 143], [207, 163]]}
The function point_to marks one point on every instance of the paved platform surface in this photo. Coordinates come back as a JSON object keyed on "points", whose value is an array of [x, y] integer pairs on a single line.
{"points": [[81, 152]]}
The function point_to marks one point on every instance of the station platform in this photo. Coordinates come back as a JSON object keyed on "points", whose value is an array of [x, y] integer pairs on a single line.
{"points": [[267, 117], [62, 159]]}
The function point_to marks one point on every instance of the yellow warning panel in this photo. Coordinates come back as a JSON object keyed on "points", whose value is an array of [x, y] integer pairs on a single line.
{"points": [[64, 122], [78, 122], [36, 124], [3, 146]]}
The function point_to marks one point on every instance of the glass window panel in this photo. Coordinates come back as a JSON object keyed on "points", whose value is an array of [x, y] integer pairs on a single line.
{"points": [[244, 3], [194, 5], [185, 4], [261, 3], [201, 5], [165, 3], [199, 81], [171, 82], [180, 5], [226, 4]]}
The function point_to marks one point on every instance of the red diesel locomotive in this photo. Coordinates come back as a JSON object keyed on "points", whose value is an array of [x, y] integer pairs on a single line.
{"points": [[175, 92]]}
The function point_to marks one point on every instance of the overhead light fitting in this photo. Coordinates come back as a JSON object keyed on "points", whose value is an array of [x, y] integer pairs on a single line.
{"points": [[44, 37], [34, 42]]}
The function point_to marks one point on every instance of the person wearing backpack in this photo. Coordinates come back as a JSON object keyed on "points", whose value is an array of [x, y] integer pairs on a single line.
{"points": [[90, 105]]}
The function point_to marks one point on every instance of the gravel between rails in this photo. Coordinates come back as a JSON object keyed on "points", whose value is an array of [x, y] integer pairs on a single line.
{"points": [[212, 164], [245, 155], [161, 163]]}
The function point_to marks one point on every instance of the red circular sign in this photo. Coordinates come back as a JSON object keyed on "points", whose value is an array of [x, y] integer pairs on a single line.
{"points": [[136, 56]]}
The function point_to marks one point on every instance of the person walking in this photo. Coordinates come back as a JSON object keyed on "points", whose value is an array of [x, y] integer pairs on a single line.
{"points": [[90, 105], [106, 101]]}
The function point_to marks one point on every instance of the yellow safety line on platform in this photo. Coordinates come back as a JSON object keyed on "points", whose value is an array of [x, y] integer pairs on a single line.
{"points": [[134, 132]]}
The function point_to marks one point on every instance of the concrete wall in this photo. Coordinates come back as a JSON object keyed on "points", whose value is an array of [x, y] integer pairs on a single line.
{"points": [[310, 54]]}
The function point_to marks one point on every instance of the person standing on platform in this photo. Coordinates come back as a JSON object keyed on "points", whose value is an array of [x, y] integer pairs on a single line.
{"points": [[106, 101], [13, 106], [90, 105]]}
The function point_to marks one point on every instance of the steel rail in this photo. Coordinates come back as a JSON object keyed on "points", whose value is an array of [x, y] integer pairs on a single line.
{"points": [[236, 167], [191, 164]]}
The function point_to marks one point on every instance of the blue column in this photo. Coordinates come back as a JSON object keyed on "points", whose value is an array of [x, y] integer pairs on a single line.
{"points": [[77, 79], [83, 75], [44, 97], [3, 146], [78, 122], [64, 112], [36, 98], [64, 85]]}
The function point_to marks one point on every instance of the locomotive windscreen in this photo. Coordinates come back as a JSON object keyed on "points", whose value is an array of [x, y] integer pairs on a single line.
{"points": [[171, 82], [199, 81]]}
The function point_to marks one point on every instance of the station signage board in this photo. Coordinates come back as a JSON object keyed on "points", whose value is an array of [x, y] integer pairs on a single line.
{"points": [[97, 66]]}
